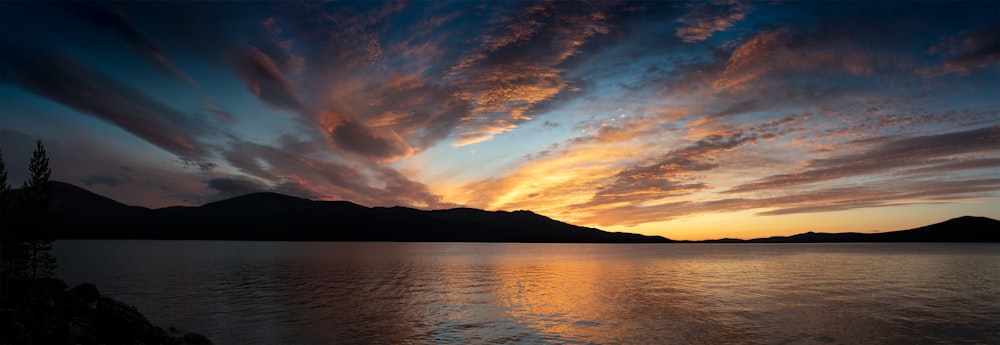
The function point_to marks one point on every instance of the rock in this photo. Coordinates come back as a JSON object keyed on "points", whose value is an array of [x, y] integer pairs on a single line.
{"points": [[81, 331], [117, 322], [86, 293], [41, 311], [189, 339], [12, 331], [196, 339]]}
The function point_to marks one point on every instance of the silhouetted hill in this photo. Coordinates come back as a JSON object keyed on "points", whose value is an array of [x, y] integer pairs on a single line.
{"points": [[257, 202], [962, 229], [77, 209], [78, 213]]}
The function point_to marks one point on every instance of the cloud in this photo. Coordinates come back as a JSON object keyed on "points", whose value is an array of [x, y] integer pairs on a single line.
{"points": [[585, 183], [805, 114], [516, 67], [707, 18], [290, 161], [209, 106], [263, 78], [228, 187], [272, 42], [115, 20], [417, 84], [305, 169], [110, 179], [665, 176], [60, 78], [973, 50], [778, 55], [883, 157], [356, 137], [404, 191], [936, 167], [921, 192], [369, 99], [829, 199], [483, 132], [551, 186], [417, 110], [105, 168], [803, 51]]}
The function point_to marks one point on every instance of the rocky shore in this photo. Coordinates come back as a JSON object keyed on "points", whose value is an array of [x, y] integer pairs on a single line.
{"points": [[44, 311]]}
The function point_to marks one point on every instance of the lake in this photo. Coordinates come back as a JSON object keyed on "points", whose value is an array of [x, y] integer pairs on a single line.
{"points": [[460, 293]]}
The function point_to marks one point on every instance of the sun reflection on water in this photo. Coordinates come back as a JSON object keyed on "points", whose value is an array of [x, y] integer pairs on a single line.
{"points": [[419, 293]]}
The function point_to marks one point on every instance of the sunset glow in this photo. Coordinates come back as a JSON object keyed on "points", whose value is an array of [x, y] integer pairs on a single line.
{"points": [[689, 120]]}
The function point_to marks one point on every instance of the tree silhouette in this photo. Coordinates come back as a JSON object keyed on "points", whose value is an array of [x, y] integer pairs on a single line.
{"points": [[37, 196], [25, 233], [13, 249], [4, 187]]}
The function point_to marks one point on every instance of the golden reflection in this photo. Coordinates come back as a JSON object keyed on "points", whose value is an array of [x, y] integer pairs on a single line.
{"points": [[557, 301], [567, 292]]}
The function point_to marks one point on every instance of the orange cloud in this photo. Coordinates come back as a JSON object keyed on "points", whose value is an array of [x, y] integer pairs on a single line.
{"points": [[781, 52], [517, 68], [351, 135], [547, 186], [707, 18]]}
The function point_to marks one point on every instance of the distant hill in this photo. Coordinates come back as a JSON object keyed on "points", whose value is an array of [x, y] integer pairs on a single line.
{"points": [[78, 213], [962, 229]]}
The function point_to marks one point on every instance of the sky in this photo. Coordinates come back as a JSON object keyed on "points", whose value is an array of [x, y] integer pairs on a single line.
{"points": [[689, 120]]}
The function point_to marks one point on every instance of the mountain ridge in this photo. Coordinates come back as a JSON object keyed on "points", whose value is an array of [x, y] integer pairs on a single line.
{"points": [[960, 229], [81, 214], [273, 216]]}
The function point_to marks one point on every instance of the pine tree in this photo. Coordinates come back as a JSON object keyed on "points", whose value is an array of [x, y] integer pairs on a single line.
{"points": [[13, 247], [4, 187], [37, 195], [7, 266], [38, 183]]}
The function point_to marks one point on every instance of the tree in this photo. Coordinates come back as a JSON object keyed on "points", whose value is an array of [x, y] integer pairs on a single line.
{"points": [[4, 187], [25, 233], [13, 246], [11, 251], [39, 182], [37, 195]]}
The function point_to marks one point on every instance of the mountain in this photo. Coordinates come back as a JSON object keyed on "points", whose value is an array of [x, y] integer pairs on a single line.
{"points": [[77, 209], [962, 229], [78, 213]]}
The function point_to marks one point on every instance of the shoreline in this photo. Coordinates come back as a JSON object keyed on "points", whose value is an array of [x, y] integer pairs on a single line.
{"points": [[45, 311]]}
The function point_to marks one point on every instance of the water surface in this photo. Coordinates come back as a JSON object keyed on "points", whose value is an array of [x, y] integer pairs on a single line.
{"points": [[417, 293]]}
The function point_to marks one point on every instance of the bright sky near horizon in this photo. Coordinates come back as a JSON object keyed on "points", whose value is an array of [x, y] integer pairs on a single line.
{"points": [[690, 120]]}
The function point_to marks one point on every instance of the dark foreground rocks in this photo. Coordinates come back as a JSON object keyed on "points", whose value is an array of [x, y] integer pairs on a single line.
{"points": [[42, 311]]}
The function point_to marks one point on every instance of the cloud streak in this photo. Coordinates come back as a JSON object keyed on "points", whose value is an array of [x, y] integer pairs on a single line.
{"points": [[114, 20], [706, 18], [65, 80], [891, 155], [298, 168], [263, 78], [666, 176]]}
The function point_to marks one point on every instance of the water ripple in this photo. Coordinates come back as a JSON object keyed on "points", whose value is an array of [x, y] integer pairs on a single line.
{"points": [[441, 293]]}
